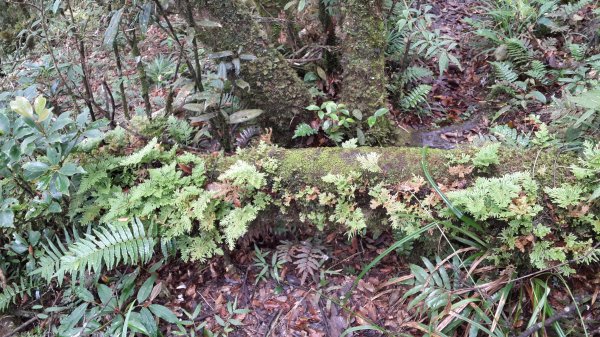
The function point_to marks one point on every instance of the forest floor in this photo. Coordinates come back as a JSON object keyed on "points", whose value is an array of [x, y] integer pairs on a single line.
{"points": [[290, 307], [314, 308]]}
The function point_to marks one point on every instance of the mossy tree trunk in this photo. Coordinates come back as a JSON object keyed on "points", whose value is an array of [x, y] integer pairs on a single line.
{"points": [[274, 85], [363, 59]]}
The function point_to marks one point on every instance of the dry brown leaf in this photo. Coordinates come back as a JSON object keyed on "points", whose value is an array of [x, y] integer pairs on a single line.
{"points": [[460, 170]]}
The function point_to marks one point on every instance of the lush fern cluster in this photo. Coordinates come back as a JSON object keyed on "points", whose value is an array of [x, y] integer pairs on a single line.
{"points": [[511, 202], [174, 195]]}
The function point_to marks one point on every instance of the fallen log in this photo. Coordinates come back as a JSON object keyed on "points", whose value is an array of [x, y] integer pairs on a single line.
{"points": [[309, 165]]}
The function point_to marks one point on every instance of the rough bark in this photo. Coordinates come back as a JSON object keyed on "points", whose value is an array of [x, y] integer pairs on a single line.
{"points": [[363, 60], [274, 86]]}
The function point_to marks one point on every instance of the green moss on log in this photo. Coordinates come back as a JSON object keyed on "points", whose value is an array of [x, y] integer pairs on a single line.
{"points": [[300, 167]]}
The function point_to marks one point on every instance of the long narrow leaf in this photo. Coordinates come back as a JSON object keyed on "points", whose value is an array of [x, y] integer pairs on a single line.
{"points": [[393, 247]]}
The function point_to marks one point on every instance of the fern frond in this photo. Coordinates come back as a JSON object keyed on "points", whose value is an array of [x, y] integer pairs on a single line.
{"points": [[510, 136], [504, 72], [538, 71], [577, 51], [12, 292], [139, 156], [518, 51], [572, 8], [416, 96], [106, 247], [412, 74]]}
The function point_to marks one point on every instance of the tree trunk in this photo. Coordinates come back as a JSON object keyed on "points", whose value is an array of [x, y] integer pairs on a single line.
{"points": [[274, 86], [363, 59]]}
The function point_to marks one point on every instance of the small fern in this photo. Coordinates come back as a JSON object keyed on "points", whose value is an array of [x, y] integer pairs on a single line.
{"points": [[416, 96], [538, 72], [107, 247], [12, 292], [413, 74], [572, 8], [307, 256], [518, 51], [509, 136], [578, 51], [504, 72]]}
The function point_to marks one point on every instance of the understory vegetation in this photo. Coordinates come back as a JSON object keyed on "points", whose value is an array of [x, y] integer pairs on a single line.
{"points": [[299, 168]]}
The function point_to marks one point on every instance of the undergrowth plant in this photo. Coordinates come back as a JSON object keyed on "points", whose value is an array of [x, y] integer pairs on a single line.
{"points": [[521, 32], [338, 123], [412, 41]]}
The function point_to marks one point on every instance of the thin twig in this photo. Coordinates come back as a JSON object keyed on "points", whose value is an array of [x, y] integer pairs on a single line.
{"points": [[272, 323], [21, 327]]}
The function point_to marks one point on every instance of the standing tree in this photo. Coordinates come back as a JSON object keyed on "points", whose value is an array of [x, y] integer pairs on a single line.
{"points": [[274, 85]]}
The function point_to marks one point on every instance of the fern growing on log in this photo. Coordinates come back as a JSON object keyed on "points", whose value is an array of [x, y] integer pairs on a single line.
{"points": [[104, 248]]}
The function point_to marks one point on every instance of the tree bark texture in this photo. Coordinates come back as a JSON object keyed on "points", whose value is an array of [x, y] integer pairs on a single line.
{"points": [[274, 85], [363, 59]]}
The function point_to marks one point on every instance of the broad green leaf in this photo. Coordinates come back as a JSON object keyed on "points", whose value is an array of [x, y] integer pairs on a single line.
{"points": [[84, 294], [113, 29], [76, 315], [34, 169], [22, 106], [70, 169], [149, 322], [4, 124], [301, 5], [105, 293], [163, 313], [39, 106], [146, 289], [381, 112], [538, 96], [371, 121], [53, 156], [136, 323], [62, 184], [7, 218]]}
